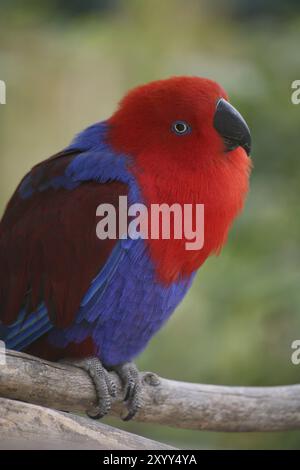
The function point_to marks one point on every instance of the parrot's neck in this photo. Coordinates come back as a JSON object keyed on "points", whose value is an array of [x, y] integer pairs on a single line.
{"points": [[222, 191]]}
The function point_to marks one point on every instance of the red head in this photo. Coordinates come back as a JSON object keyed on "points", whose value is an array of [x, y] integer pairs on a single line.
{"points": [[188, 146]]}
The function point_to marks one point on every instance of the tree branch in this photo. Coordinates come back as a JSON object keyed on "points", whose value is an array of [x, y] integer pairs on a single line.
{"points": [[26, 426], [177, 404]]}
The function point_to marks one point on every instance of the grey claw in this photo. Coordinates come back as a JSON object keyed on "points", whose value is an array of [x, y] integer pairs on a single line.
{"points": [[131, 380], [105, 387]]}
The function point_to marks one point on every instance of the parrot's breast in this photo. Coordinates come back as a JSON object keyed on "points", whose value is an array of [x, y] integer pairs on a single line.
{"points": [[133, 305]]}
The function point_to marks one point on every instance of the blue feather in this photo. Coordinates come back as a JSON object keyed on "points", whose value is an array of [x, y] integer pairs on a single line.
{"points": [[125, 303]]}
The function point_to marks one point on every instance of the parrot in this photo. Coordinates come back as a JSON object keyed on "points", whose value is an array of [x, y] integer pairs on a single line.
{"points": [[66, 294]]}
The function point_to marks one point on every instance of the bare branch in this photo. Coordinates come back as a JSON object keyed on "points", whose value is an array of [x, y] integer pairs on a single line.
{"points": [[177, 404], [26, 426]]}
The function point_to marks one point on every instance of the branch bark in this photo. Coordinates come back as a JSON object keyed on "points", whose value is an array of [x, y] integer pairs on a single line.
{"points": [[26, 426], [177, 404]]}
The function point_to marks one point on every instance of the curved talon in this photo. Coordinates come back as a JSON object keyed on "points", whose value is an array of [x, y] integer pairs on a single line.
{"points": [[106, 388], [131, 380]]}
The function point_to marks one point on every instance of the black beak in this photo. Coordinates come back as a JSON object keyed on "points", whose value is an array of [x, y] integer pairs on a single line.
{"points": [[232, 127]]}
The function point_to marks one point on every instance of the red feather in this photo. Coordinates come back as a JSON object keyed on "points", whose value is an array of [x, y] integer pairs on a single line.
{"points": [[48, 245], [43, 349], [193, 169]]}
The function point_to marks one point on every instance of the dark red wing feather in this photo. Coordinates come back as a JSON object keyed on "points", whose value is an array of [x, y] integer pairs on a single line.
{"points": [[49, 250]]}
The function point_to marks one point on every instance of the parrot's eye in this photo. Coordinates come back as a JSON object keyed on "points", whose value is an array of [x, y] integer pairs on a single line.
{"points": [[181, 127]]}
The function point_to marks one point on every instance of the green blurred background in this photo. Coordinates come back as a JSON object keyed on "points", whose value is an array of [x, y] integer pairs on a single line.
{"points": [[67, 63]]}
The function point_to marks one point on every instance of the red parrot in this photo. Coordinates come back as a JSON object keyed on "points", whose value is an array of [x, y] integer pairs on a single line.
{"points": [[64, 292]]}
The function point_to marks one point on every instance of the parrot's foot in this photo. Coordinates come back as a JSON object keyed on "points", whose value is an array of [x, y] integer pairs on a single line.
{"points": [[130, 378], [105, 386]]}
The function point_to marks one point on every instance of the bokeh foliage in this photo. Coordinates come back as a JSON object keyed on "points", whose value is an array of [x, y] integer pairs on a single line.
{"points": [[67, 63]]}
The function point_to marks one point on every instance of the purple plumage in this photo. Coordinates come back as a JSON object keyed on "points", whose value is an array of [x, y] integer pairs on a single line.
{"points": [[124, 303]]}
